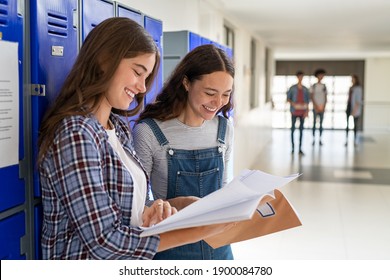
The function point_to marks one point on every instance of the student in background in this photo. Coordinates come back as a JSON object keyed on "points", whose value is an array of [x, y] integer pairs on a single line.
{"points": [[94, 189], [299, 97], [185, 139], [354, 107], [318, 95]]}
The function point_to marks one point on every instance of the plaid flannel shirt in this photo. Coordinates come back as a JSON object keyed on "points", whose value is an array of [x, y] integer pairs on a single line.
{"points": [[87, 195]]}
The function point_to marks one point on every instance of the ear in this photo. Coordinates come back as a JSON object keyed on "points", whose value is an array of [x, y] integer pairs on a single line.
{"points": [[186, 83]]}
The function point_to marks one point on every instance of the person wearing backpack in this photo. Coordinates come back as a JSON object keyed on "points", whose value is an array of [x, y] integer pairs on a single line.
{"points": [[318, 96]]}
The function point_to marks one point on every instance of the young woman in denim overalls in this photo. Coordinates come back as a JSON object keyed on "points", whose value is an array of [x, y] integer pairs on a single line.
{"points": [[184, 139], [94, 188]]}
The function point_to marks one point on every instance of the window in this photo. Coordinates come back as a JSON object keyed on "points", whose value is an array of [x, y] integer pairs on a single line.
{"points": [[334, 118], [228, 36], [254, 97]]}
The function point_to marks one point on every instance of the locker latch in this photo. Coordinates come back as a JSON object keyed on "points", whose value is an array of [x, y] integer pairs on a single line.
{"points": [[38, 90]]}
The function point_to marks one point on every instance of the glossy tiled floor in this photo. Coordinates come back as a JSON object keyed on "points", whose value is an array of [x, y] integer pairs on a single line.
{"points": [[342, 197]]}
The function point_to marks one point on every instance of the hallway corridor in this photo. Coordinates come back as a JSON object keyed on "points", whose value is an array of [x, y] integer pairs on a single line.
{"points": [[342, 197]]}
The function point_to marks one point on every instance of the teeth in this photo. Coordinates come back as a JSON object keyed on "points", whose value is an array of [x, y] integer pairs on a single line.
{"points": [[210, 109], [129, 93]]}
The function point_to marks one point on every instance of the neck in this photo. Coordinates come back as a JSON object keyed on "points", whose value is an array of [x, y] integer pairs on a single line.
{"points": [[190, 120], [102, 114]]}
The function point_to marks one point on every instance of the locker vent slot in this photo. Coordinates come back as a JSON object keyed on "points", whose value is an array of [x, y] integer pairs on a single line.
{"points": [[3, 13], [3, 22], [58, 25]]}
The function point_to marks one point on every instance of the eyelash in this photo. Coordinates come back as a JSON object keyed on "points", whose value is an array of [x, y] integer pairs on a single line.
{"points": [[136, 73], [212, 94]]}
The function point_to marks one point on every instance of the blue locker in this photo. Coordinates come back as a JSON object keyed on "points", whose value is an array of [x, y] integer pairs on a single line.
{"points": [[205, 41], [12, 229], [178, 43], [53, 52], [228, 50], [194, 41], [230, 53], [38, 219], [155, 28], [12, 189], [123, 11], [94, 12]]}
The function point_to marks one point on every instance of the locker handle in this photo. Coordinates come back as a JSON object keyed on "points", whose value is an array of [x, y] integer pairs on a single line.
{"points": [[20, 7], [75, 19], [38, 90]]}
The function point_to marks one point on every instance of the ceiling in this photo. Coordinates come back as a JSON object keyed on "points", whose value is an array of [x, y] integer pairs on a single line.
{"points": [[317, 29]]}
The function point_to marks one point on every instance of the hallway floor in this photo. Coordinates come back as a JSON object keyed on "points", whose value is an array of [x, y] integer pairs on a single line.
{"points": [[342, 198]]}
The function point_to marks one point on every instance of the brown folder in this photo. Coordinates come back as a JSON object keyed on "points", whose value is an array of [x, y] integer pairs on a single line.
{"points": [[270, 217]]}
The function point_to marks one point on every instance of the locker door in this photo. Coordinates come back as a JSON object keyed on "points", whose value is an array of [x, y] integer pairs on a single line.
{"points": [[176, 46], [205, 41], [12, 188], [94, 12], [38, 219], [194, 41], [137, 16], [155, 28], [12, 229], [123, 11], [229, 51], [53, 52]]}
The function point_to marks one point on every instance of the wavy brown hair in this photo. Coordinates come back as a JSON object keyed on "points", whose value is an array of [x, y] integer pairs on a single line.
{"points": [[172, 99], [105, 46]]}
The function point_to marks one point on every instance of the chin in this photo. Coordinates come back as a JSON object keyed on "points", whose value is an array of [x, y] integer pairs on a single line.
{"points": [[208, 117]]}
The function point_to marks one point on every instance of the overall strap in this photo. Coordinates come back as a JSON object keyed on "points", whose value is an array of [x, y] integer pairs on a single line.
{"points": [[156, 130], [222, 124]]}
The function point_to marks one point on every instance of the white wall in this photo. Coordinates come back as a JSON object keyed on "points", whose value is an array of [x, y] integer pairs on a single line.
{"points": [[253, 127], [377, 94]]}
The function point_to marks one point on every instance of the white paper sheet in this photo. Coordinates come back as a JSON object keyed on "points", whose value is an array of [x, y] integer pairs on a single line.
{"points": [[9, 104], [235, 202]]}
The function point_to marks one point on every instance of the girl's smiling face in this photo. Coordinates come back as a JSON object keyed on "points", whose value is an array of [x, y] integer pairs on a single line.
{"points": [[206, 97], [129, 80]]}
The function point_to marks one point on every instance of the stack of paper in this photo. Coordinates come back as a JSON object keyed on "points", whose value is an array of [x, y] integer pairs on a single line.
{"points": [[237, 201]]}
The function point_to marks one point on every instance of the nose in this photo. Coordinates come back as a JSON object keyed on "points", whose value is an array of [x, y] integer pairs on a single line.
{"points": [[218, 100], [141, 86]]}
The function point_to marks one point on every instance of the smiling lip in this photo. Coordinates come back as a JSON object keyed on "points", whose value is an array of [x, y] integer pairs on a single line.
{"points": [[209, 108], [129, 93]]}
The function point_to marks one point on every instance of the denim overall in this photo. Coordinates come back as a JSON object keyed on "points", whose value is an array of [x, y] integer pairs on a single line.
{"points": [[197, 173]]}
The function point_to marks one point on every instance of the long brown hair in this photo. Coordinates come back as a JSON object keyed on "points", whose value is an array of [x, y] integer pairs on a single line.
{"points": [[106, 45], [356, 81], [172, 99]]}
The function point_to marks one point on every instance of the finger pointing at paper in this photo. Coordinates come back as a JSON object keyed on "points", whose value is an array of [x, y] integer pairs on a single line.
{"points": [[159, 211]]}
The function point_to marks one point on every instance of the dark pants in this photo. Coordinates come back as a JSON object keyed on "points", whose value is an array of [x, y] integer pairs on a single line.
{"points": [[301, 122], [321, 116]]}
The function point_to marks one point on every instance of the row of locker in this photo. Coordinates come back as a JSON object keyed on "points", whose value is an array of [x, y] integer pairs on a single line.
{"points": [[56, 30]]}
